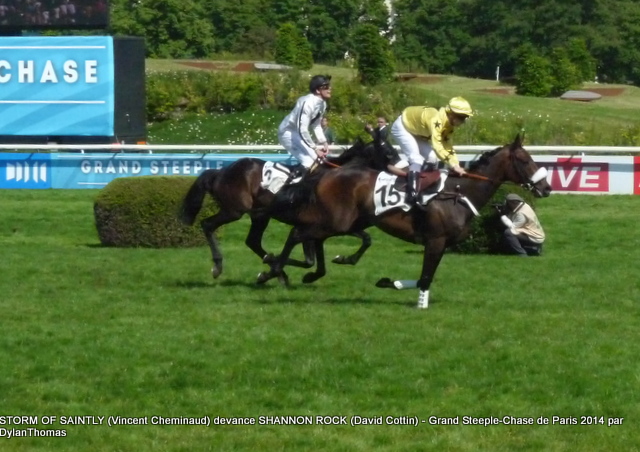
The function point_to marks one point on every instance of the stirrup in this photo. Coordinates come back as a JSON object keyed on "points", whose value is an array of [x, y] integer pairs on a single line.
{"points": [[298, 171]]}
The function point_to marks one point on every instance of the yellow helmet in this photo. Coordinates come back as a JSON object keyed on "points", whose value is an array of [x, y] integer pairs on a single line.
{"points": [[460, 106]]}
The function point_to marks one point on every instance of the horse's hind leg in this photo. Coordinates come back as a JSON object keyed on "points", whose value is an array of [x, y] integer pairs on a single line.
{"points": [[355, 257], [209, 226], [321, 269]]}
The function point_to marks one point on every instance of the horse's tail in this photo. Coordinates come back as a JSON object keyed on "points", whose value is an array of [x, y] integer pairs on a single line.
{"points": [[192, 202]]}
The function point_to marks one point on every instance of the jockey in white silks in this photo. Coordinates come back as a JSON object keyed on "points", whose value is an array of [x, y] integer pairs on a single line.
{"points": [[293, 132]]}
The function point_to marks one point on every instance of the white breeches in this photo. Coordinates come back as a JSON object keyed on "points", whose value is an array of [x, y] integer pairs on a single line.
{"points": [[414, 149], [293, 143]]}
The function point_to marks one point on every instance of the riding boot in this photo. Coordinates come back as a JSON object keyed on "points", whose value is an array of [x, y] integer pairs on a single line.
{"points": [[290, 195], [412, 187], [429, 166], [296, 191]]}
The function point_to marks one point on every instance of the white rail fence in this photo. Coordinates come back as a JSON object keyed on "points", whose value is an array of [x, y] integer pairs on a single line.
{"points": [[262, 148]]}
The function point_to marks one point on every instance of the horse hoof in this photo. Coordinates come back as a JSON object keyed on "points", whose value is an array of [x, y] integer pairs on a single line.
{"points": [[268, 258], [343, 260], [385, 283], [263, 277], [283, 279], [310, 277], [215, 272]]}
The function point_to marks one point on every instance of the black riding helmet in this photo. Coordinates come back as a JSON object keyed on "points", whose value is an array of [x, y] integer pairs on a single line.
{"points": [[318, 81]]}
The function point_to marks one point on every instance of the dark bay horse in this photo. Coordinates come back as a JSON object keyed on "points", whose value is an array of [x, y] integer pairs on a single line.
{"points": [[237, 191], [344, 201]]}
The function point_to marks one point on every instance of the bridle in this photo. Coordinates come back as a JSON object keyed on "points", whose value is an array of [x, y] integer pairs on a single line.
{"points": [[532, 180]]}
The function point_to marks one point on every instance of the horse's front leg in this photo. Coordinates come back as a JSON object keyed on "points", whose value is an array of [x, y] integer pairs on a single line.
{"points": [[277, 266], [355, 257], [308, 248], [321, 269], [259, 224], [433, 252]]}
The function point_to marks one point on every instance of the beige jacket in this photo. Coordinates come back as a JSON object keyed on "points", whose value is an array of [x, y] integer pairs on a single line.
{"points": [[523, 220]]}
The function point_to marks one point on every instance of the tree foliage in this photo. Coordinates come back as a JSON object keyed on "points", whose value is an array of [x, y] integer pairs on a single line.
{"points": [[465, 37], [292, 48], [374, 60], [172, 28]]}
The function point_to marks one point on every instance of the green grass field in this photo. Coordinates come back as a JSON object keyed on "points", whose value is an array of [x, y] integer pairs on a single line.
{"points": [[92, 331]]}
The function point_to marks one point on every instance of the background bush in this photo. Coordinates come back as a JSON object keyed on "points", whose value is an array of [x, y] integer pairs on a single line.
{"points": [[170, 94], [142, 212], [534, 75]]}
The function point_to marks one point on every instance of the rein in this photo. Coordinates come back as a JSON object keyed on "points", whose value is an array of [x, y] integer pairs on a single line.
{"points": [[328, 163], [468, 175], [477, 177]]}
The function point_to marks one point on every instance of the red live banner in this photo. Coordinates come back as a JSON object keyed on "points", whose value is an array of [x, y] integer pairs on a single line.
{"points": [[636, 175]]}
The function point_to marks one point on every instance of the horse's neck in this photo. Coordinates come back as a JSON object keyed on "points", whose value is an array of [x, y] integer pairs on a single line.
{"points": [[480, 192], [355, 156]]}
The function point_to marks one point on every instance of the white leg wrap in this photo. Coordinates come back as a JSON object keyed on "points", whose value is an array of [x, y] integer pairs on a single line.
{"points": [[423, 299], [405, 284]]}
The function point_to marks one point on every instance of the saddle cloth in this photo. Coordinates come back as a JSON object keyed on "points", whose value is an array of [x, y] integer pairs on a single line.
{"points": [[274, 176], [391, 192]]}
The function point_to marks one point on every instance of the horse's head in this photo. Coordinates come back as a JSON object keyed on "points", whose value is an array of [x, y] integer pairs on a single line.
{"points": [[514, 164], [523, 170]]}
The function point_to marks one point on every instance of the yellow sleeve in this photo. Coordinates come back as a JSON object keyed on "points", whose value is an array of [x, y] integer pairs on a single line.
{"points": [[442, 147]]}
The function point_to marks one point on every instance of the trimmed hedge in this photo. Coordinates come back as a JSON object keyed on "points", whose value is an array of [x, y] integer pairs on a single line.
{"points": [[143, 212], [486, 230]]}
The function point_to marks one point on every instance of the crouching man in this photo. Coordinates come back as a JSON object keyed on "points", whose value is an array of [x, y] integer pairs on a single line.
{"points": [[523, 234]]}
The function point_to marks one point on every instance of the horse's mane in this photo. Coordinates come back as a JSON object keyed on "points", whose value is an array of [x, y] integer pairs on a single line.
{"points": [[483, 160], [361, 154], [357, 153]]}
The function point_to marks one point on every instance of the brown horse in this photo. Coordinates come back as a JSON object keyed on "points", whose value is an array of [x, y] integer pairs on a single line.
{"points": [[345, 201], [237, 190]]}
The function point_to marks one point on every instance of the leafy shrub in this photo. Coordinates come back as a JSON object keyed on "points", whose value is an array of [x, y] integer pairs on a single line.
{"points": [[143, 212], [533, 76], [585, 63], [566, 75], [486, 229]]}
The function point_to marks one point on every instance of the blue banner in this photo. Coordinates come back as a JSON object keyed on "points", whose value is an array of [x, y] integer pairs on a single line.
{"points": [[57, 86], [98, 169], [25, 170]]}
